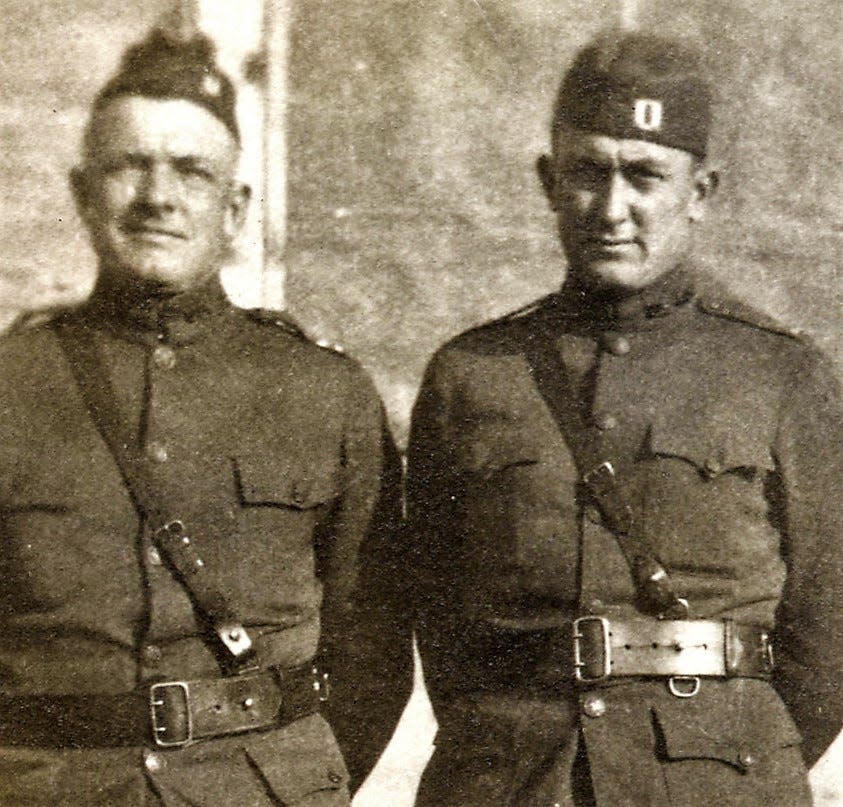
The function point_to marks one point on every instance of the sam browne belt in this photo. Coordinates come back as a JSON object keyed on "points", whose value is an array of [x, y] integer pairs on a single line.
{"points": [[607, 648], [168, 714]]}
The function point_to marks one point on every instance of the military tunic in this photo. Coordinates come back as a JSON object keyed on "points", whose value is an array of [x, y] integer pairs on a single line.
{"points": [[285, 443], [728, 438]]}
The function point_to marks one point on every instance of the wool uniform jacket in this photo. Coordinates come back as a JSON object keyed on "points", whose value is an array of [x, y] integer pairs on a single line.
{"points": [[726, 435], [286, 445]]}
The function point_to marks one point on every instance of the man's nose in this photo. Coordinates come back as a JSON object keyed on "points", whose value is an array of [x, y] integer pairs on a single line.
{"points": [[159, 188], [613, 204]]}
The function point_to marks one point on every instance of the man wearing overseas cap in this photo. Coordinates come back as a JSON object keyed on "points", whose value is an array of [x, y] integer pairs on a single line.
{"points": [[624, 504], [197, 503]]}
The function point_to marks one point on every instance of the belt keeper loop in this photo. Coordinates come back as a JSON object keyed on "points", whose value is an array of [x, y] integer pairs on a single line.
{"points": [[732, 650]]}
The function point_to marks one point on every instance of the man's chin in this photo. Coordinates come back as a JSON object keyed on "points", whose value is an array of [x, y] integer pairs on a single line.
{"points": [[616, 276], [162, 275]]}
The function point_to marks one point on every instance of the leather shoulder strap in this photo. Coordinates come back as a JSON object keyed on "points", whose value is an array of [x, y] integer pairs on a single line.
{"points": [[178, 541], [600, 482]]}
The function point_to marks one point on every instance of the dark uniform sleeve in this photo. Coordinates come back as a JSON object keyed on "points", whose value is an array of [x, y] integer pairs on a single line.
{"points": [[433, 542], [809, 626], [366, 641]]}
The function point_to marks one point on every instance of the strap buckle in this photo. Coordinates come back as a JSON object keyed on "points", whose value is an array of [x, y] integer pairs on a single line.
{"points": [[767, 652], [321, 685], [235, 638], [592, 650], [161, 699], [600, 478]]}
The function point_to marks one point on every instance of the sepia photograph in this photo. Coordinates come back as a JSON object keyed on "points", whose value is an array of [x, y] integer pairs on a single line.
{"points": [[421, 404]]}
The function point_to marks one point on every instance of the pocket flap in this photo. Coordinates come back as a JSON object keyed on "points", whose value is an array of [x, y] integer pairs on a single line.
{"points": [[266, 481], [488, 448], [713, 452], [720, 723], [299, 760]]}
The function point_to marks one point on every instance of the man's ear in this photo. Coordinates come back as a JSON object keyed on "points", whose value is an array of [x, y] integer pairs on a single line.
{"points": [[547, 177], [238, 206], [706, 182]]}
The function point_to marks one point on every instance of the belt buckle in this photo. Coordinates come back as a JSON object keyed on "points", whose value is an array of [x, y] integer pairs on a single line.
{"points": [[582, 665], [158, 724]]}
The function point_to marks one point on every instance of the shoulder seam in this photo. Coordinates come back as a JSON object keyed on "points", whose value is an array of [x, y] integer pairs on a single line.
{"points": [[285, 322], [746, 315]]}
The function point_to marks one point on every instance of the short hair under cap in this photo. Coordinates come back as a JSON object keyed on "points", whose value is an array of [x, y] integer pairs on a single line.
{"points": [[638, 86], [164, 67]]}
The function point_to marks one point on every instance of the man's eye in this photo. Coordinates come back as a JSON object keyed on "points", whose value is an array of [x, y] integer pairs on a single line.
{"points": [[120, 165], [586, 173], [193, 171], [644, 175]]}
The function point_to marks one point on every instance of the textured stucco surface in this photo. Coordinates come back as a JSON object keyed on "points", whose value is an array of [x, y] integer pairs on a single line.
{"points": [[414, 209]]}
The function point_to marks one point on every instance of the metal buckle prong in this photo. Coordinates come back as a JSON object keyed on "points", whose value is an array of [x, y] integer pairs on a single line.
{"points": [[579, 664], [159, 728]]}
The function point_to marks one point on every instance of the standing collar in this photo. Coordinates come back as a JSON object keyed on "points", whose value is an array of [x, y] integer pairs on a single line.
{"points": [[607, 312], [130, 311]]}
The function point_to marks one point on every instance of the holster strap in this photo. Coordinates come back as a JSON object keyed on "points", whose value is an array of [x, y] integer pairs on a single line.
{"points": [[166, 714], [611, 648]]}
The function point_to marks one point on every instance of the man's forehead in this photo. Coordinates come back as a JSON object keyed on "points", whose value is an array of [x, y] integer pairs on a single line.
{"points": [[176, 126], [576, 144]]}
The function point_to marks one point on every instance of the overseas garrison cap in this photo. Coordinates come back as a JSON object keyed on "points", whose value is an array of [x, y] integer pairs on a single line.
{"points": [[165, 67], [638, 86]]}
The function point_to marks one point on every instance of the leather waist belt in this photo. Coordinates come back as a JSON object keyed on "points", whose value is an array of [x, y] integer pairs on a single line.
{"points": [[609, 648], [168, 714]]}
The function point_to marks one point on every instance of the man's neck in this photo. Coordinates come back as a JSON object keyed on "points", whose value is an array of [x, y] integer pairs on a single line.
{"points": [[623, 304]]}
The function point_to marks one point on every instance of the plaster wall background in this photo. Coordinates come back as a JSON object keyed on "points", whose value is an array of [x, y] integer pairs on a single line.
{"points": [[414, 211]]}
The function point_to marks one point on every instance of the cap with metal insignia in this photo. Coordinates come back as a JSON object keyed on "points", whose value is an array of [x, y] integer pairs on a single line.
{"points": [[163, 66], [638, 86]]}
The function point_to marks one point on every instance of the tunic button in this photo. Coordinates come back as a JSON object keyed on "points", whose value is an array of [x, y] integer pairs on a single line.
{"points": [[334, 777], [152, 762], [596, 607], [154, 556], [152, 654], [747, 758], [164, 357], [606, 422], [594, 706], [617, 345], [157, 452]]}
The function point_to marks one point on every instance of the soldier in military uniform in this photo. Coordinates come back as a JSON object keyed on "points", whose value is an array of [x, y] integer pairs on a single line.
{"points": [[624, 500], [197, 504]]}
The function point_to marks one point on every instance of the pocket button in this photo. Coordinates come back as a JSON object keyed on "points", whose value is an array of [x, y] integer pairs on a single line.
{"points": [[747, 758], [713, 465]]}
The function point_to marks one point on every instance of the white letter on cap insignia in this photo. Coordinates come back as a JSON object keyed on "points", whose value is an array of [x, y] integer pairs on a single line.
{"points": [[648, 114]]}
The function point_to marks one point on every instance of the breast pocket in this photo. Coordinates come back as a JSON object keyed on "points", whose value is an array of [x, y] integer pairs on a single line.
{"points": [[281, 502], [65, 528], [704, 500], [273, 482], [519, 511]]}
